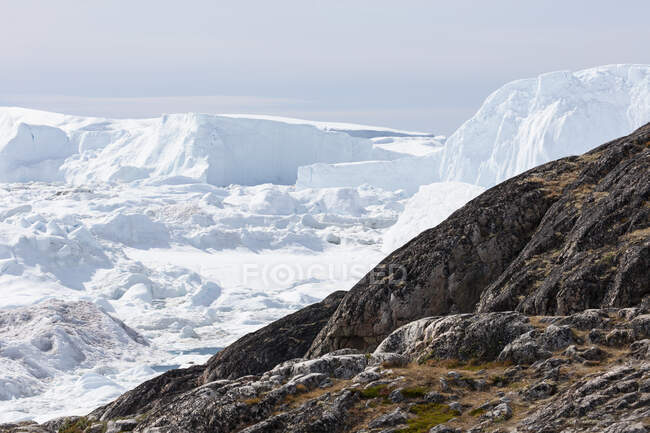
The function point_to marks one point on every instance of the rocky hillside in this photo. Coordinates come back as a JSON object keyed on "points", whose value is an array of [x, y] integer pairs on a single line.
{"points": [[525, 311], [563, 237], [484, 372]]}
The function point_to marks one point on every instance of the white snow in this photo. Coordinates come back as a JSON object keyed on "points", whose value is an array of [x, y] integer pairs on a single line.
{"points": [[406, 173], [53, 341], [430, 206], [194, 229]]}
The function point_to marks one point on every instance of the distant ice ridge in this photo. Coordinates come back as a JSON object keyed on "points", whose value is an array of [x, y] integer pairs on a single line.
{"points": [[529, 122], [523, 124], [179, 148]]}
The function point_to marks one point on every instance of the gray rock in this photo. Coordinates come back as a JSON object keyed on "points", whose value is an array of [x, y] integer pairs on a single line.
{"points": [[388, 360], [95, 428], [536, 345], [122, 425], [619, 337], [396, 417], [539, 390], [460, 336], [367, 375], [502, 411], [456, 407], [441, 428], [434, 397], [626, 427], [396, 396]]}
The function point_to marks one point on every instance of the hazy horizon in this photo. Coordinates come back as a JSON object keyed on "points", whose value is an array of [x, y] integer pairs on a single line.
{"points": [[417, 65]]}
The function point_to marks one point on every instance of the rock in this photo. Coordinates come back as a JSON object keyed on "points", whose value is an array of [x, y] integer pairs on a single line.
{"points": [[502, 412], [368, 375], [388, 360], [619, 337], [434, 397], [309, 381], [396, 396], [626, 427], [535, 345], [640, 349], [96, 428], [640, 326], [460, 336], [456, 407], [569, 238], [539, 390], [55, 424], [122, 425], [596, 336], [396, 417], [603, 399], [564, 237], [441, 428], [336, 366], [585, 320], [481, 385]]}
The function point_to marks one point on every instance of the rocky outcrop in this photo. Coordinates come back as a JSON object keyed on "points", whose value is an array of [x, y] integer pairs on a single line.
{"points": [[483, 372], [254, 353], [566, 236], [462, 337]]}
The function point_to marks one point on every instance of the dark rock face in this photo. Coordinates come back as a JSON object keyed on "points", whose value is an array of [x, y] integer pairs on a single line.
{"points": [[254, 353], [563, 237], [287, 338]]}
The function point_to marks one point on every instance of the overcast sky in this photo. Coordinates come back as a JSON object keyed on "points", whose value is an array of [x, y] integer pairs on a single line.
{"points": [[424, 65]]}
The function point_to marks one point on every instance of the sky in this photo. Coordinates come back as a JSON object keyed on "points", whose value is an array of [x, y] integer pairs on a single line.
{"points": [[418, 65]]}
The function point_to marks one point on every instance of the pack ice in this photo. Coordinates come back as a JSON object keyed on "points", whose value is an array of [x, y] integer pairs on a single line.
{"points": [[131, 246]]}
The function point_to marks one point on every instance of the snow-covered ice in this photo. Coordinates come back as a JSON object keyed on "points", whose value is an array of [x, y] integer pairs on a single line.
{"points": [[169, 238], [175, 148], [430, 206]]}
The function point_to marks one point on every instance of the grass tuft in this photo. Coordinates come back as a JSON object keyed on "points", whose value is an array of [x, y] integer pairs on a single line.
{"points": [[77, 426], [373, 392], [427, 416], [416, 392]]}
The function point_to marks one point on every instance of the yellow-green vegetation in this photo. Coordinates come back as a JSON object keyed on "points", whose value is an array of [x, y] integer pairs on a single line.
{"points": [[499, 381], [374, 392], [416, 392], [427, 416], [476, 412], [474, 365], [77, 426]]}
